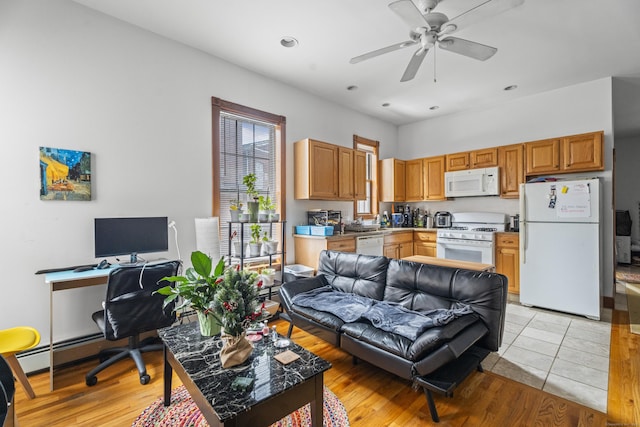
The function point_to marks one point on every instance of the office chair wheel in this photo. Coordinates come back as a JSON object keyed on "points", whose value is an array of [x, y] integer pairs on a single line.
{"points": [[144, 379], [91, 381]]}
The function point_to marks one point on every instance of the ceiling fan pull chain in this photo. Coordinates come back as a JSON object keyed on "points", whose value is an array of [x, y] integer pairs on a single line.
{"points": [[434, 65]]}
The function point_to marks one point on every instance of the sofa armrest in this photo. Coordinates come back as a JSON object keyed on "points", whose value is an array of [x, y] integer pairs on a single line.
{"points": [[288, 290]]}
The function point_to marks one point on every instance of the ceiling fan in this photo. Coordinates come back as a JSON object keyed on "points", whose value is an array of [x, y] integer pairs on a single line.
{"points": [[428, 28]]}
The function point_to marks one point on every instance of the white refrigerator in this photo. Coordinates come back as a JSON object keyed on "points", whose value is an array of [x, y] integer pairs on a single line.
{"points": [[560, 246]]}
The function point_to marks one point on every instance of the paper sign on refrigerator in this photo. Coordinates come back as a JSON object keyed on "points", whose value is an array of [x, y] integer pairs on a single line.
{"points": [[574, 201]]}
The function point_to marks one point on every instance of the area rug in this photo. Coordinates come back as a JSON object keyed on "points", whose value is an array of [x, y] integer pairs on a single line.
{"points": [[183, 412], [627, 276], [633, 305]]}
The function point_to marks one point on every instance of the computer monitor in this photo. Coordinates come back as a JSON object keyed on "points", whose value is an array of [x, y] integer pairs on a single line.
{"points": [[121, 236]]}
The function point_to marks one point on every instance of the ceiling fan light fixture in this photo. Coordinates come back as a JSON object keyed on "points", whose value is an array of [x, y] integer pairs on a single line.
{"points": [[288, 41], [511, 87]]}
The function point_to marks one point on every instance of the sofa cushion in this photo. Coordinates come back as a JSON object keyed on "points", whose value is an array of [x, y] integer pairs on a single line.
{"points": [[404, 347], [363, 275], [321, 317]]}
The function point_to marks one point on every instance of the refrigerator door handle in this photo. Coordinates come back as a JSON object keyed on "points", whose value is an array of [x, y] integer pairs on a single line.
{"points": [[523, 224]]}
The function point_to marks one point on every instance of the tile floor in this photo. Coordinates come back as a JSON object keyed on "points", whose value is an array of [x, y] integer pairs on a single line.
{"points": [[559, 353]]}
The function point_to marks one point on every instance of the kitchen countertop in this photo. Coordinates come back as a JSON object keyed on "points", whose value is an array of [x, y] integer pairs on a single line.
{"points": [[380, 232]]}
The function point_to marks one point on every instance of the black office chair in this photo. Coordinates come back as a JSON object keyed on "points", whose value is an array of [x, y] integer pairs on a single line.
{"points": [[7, 392], [130, 309]]}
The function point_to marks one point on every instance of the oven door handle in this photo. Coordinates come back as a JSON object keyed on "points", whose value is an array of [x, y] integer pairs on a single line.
{"points": [[453, 242]]}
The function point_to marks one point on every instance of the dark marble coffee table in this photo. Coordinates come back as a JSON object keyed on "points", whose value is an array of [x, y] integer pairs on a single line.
{"points": [[277, 389]]}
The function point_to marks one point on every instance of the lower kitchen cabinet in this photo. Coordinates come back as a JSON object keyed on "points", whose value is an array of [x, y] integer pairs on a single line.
{"points": [[398, 244], [424, 243], [508, 259], [308, 248]]}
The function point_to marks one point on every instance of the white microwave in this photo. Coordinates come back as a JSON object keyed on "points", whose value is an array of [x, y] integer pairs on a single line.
{"points": [[472, 182]]}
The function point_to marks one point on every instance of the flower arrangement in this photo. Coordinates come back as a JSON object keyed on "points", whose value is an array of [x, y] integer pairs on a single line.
{"points": [[236, 300], [229, 295]]}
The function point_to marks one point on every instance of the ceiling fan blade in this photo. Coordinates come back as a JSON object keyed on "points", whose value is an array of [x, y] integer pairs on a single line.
{"points": [[382, 51], [478, 13], [409, 13], [414, 64], [467, 48]]}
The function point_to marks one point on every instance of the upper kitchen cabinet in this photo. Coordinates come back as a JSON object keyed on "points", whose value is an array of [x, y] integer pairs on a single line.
{"points": [[511, 163], [583, 152], [391, 178], [324, 171], [433, 172], [414, 183], [315, 170], [345, 173], [575, 153], [486, 158], [457, 161], [360, 175]]}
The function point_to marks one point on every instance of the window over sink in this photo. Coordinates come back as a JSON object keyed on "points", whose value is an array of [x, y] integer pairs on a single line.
{"points": [[368, 207]]}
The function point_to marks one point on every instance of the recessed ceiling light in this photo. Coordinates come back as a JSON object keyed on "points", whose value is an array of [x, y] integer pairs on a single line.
{"points": [[511, 87], [288, 41], [386, 104], [352, 87], [434, 107]]}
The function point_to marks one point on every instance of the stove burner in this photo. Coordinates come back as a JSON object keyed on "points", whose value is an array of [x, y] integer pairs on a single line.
{"points": [[485, 229]]}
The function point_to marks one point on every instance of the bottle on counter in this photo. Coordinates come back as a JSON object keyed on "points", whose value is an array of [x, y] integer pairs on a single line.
{"points": [[385, 220], [428, 220]]}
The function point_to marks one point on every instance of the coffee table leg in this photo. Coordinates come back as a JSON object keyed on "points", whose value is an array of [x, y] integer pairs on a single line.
{"points": [[168, 373], [317, 405]]}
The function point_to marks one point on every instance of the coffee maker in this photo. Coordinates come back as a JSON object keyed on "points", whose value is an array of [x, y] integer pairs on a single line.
{"points": [[407, 219]]}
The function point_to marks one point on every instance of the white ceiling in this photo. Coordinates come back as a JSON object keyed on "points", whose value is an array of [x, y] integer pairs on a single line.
{"points": [[542, 45]]}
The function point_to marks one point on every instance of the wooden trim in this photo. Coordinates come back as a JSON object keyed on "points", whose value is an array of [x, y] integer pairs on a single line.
{"points": [[375, 199], [219, 105]]}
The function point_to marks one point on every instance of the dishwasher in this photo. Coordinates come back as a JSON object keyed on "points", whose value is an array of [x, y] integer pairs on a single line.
{"points": [[369, 245]]}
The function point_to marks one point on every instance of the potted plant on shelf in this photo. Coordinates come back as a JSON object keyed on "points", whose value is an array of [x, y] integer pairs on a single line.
{"points": [[255, 243], [252, 206], [266, 208], [269, 246], [197, 289], [235, 209]]}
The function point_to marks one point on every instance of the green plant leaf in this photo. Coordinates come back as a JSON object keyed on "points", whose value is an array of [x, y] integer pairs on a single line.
{"points": [[201, 263], [219, 268]]}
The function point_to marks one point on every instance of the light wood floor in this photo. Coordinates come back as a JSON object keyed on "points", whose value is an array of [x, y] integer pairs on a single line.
{"points": [[371, 396]]}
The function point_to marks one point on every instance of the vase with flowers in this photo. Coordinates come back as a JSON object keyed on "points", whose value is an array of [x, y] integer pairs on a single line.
{"points": [[236, 305], [197, 288], [249, 181]]}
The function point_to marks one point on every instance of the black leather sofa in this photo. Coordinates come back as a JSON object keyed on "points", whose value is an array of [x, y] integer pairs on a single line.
{"points": [[417, 287]]}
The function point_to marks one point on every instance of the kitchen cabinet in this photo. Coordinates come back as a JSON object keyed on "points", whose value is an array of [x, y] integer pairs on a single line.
{"points": [[391, 180], [424, 243], [398, 244], [511, 163], [433, 172], [457, 161], [575, 153], [345, 173], [485, 158], [324, 171], [414, 183], [508, 259], [308, 248], [359, 175]]}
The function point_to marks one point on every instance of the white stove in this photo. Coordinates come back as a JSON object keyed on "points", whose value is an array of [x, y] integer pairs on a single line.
{"points": [[471, 236]]}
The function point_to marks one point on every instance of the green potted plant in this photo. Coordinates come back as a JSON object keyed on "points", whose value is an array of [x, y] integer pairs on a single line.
{"points": [[269, 246], [235, 209], [266, 208], [197, 288], [255, 243], [249, 181]]}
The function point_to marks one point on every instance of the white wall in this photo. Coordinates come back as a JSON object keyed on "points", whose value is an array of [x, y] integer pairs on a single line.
{"points": [[73, 78], [571, 110]]}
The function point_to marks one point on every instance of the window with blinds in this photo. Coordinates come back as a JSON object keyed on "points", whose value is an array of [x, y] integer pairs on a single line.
{"points": [[247, 141]]}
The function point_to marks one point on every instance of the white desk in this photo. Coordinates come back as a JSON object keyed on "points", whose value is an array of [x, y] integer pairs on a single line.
{"points": [[60, 281]]}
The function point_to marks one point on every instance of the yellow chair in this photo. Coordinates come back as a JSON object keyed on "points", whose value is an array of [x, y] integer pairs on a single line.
{"points": [[14, 340]]}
